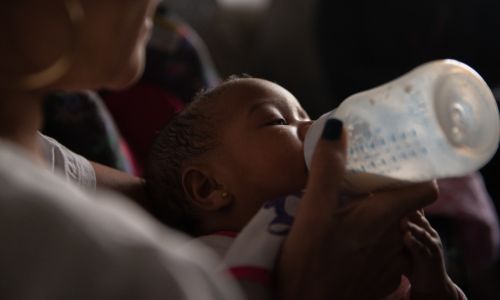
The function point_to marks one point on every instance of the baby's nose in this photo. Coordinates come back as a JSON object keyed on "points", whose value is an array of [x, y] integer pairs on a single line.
{"points": [[303, 128]]}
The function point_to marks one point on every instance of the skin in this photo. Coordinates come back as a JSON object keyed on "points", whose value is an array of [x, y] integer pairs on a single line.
{"points": [[109, 49], [260, 157], [262, 144], [355, 251], [109, 54], [428, 273]]}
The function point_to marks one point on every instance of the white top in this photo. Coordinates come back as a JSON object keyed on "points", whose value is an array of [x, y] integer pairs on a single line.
{"points": [[70, 165], [57, 242]]}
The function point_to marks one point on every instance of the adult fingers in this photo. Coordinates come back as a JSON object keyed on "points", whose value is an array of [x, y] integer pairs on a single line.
{"points": [[328, 165], [385, 279], [392, 206], [386, 249]]}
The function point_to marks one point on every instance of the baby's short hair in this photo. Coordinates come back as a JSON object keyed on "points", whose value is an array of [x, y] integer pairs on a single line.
{"points": [[188, 135]]}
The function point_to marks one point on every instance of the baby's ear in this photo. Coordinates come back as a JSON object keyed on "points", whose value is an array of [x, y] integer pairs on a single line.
{"points": [[203, 191]]}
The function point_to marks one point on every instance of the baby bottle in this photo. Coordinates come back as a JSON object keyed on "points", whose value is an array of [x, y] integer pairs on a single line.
{"points": [[439, 120]]}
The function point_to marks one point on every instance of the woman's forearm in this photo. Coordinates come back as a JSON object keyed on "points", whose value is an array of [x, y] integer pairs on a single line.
{"points": [[121, 182]]}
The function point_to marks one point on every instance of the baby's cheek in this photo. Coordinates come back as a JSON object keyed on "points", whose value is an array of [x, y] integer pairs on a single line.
{"points": [[297, 180]]}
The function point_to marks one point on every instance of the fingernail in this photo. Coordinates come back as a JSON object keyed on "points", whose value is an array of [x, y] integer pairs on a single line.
{"points": [[332, 130]]}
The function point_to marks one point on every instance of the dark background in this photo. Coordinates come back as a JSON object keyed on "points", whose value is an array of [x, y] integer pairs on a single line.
{"points": [[365, 43]]}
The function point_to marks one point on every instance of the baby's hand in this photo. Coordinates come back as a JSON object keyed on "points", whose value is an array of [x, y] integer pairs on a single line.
{"points": [[427, 275]]}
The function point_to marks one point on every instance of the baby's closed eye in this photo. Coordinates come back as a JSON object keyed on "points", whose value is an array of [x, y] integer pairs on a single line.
{"points": [[278, 121]]}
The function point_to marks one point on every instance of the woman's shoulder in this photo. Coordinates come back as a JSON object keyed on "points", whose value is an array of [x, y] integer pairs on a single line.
{"points": [[47, 223]]}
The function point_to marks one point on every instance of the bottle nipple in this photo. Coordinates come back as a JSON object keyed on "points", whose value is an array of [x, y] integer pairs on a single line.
{"points": [[459, 124]]}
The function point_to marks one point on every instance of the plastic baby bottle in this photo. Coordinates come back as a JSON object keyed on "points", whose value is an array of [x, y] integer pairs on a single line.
{"points": [[439, 120]]}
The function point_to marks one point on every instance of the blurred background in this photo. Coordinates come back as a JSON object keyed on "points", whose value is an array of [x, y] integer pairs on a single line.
{"points": [[325, 50]]}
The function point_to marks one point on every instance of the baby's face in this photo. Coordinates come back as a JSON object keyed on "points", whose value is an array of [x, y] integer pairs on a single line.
{"points": [[261, 152]]}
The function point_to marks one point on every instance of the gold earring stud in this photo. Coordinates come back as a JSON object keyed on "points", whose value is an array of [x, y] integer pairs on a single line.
{"points": [[224, 194]]}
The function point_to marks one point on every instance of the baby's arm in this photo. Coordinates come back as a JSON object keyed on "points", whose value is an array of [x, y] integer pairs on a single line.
{"points": [[428, 276]]}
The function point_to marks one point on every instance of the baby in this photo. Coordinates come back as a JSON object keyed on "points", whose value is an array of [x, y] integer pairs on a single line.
{"points": [[238, 148]]}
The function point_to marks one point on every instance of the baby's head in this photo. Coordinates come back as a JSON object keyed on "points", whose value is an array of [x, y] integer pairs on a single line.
{"points": [[232, 149]]}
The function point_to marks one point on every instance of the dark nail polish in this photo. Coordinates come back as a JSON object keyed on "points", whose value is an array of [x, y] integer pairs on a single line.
{"points": [[332, 130]]}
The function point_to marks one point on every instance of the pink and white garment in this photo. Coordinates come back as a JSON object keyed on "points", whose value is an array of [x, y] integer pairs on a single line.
{"points": [[251, 254]]}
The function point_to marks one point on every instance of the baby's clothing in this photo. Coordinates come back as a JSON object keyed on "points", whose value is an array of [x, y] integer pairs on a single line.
{"points": [[257, 245], [251, 254]]}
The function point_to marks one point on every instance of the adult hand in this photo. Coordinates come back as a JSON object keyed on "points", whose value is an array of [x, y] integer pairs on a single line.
{"points": [[353, 251]]}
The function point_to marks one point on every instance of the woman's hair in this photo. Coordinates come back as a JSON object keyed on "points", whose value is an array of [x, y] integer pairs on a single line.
{"points": [[187, 136]]}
